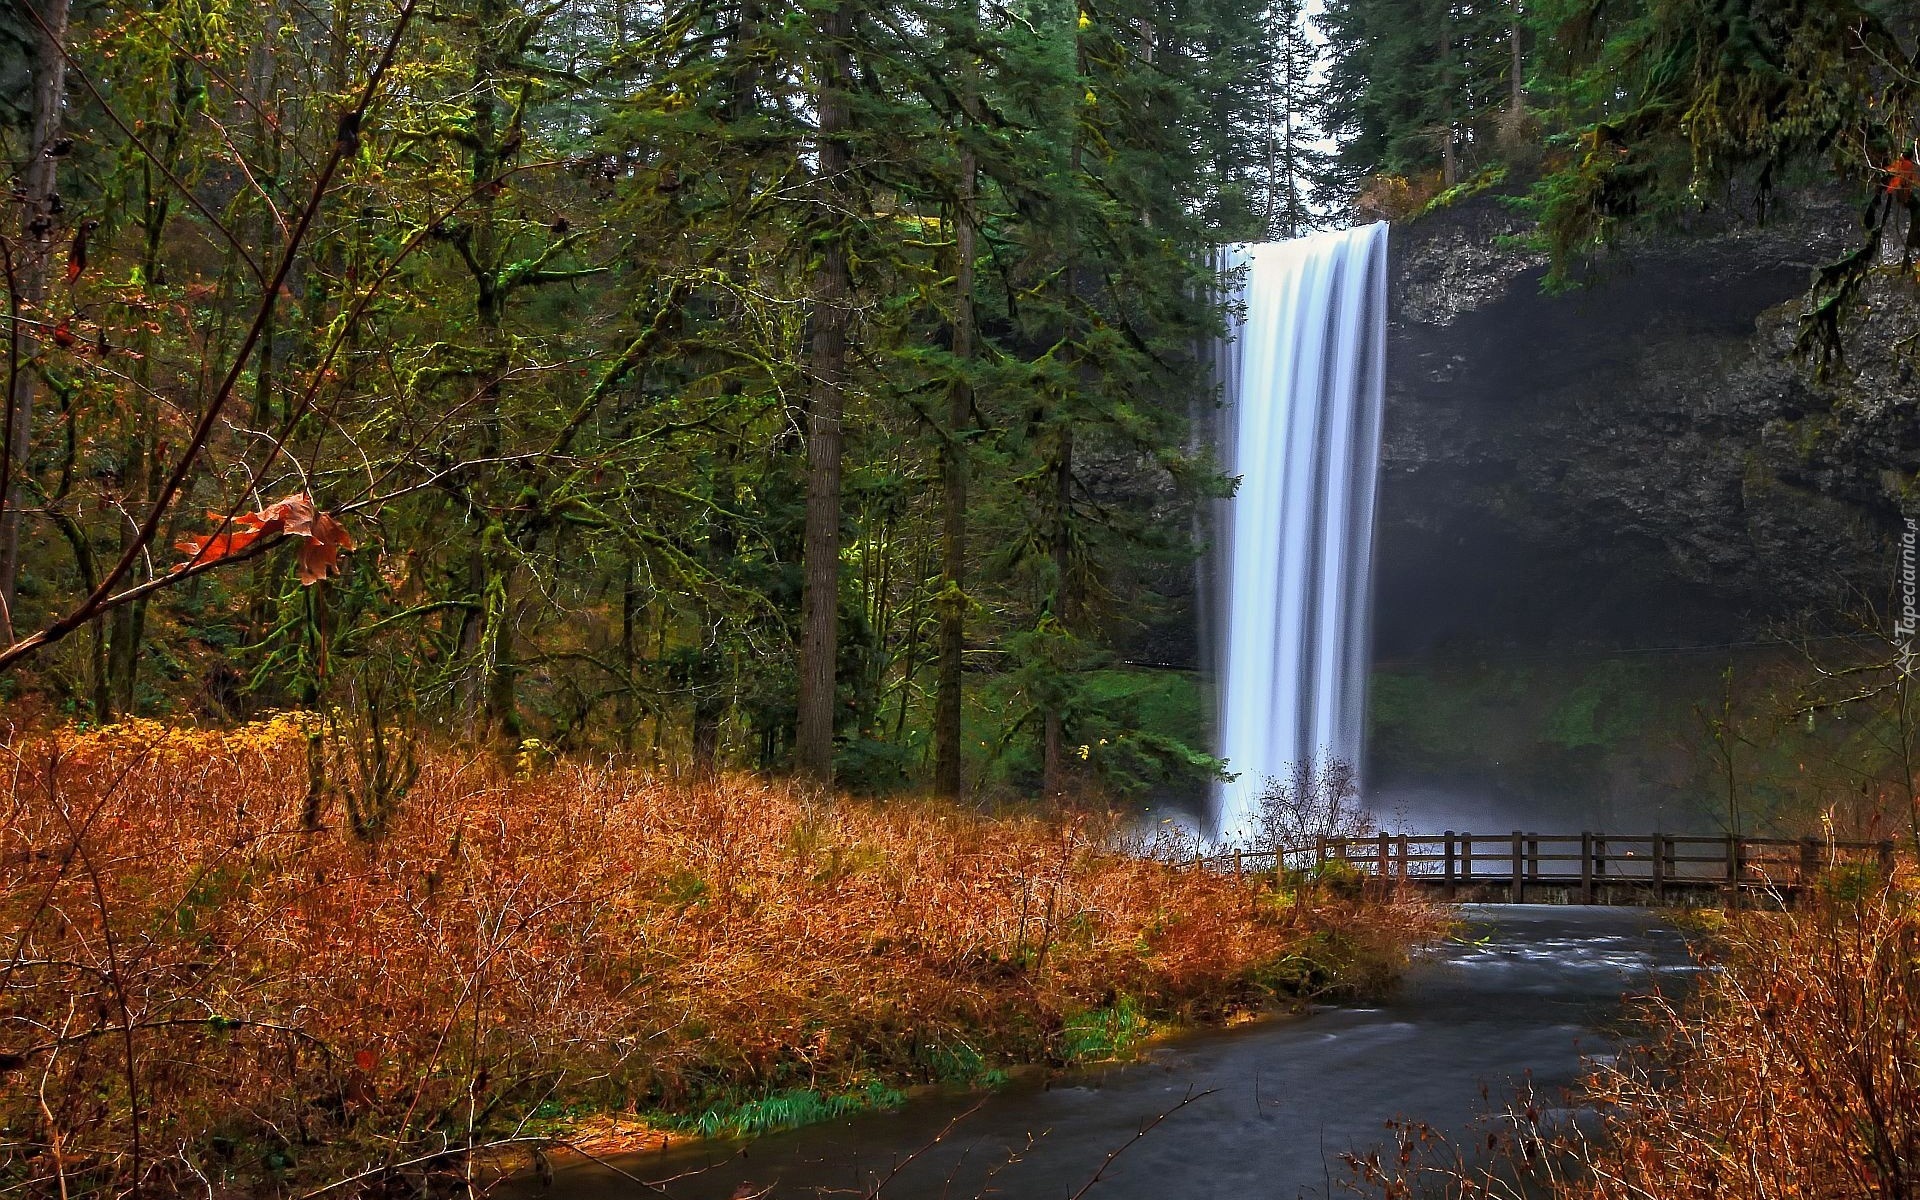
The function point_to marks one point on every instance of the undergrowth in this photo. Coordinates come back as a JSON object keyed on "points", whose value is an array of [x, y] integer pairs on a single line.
{"points": [[1788, 1073], [788, 1109], [203, 992]]}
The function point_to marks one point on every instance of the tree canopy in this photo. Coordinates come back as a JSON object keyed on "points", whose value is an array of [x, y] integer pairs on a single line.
{"points": [[769, 383], [650, 377]]}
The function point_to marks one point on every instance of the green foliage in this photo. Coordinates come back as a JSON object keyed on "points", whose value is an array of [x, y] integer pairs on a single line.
{"points": [[1566, 729], [789, 1109], [1569, 707], [1339, 875], [1852, 883], [1632, 114], [1671, 107], [1417, 86], [1482, 180], [953, 1061], [1106, 1033], [1431, 713], [1333, 965], [547, 350], [1133, 731], [212, 887], [1608, 704], [684, 889]]}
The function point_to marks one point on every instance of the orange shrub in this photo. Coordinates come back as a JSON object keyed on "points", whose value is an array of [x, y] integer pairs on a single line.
{"points": [[1793, 1072], [1789, 1073], [198, 993]]}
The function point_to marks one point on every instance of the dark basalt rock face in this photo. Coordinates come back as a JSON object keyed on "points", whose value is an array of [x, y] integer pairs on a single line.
{"points": [[1641, 462]]}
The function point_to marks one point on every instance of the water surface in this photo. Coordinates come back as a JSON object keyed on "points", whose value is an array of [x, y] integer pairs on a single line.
{"points": [[1521, 998]]}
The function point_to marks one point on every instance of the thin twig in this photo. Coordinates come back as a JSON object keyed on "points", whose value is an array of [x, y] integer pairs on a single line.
{"points": [[1142, 1132]]}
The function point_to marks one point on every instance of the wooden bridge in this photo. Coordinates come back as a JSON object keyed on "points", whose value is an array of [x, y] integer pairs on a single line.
{"points": [[1586, 868]]}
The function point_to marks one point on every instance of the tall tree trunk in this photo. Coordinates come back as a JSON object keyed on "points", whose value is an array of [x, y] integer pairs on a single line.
{"points": [[1053, 763], [37, 218], [708, 710], [625, 707], [1516, 78], [467, 644], [948, 687], [833, 292], [503, 713], [142, 473], [1449, 154], [266, 140], [494, 666], [711, 698], [744, 85]]}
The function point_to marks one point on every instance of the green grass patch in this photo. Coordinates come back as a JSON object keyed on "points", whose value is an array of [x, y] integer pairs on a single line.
{"points": [[1101, 1034], [958, 1063], [788, 1109]]}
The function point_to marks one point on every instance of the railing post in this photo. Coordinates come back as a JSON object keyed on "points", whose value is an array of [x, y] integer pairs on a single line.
{"points": [[1392, 859], [1886, 859]]}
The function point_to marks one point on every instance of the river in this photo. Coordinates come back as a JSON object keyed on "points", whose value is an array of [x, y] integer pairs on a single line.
{"points": [[1524, 993]]}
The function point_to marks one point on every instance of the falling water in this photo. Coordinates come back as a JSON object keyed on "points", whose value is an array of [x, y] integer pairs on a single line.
{"points": [[1301, 428]]}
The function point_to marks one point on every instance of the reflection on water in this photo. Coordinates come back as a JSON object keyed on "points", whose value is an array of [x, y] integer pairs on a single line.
{"points": [[1523, 996]]}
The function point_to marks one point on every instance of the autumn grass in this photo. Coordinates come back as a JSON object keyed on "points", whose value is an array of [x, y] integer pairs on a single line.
{"points": [[1790, 1072], [200, 995]]}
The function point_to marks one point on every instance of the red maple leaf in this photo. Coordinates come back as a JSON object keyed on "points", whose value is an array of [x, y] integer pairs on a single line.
{"points": [[322, 537], [243, 531], [1903, 176]]}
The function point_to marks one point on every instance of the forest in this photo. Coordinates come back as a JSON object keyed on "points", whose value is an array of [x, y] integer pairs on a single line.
{"points": [[779, 386], [594, 575]]}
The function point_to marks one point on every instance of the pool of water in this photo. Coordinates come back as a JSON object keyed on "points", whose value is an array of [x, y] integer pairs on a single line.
{"points": [[1517, 1000]]}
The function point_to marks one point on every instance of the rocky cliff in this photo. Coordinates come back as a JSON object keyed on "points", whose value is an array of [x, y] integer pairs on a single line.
{"points": [[1640, 462]]}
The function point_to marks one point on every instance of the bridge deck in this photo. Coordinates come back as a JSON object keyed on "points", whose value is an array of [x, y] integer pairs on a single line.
{"points": [[1585, 868]]}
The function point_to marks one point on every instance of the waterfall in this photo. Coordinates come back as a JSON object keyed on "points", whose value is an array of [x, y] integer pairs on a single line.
{"points": [[1302, 377]]}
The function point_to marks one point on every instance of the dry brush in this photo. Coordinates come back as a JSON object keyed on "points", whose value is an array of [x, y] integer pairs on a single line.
{"points": [[201, 993]]}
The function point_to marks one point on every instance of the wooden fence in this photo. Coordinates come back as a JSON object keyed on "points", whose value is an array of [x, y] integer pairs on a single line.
{"points": [[1579, 868]]}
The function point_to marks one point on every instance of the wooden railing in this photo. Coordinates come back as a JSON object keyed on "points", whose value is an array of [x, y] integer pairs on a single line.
{"points": [[1578, 868]]}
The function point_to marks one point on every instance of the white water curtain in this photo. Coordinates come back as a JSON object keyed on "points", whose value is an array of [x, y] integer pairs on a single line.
{"points": [[1303, 392]]}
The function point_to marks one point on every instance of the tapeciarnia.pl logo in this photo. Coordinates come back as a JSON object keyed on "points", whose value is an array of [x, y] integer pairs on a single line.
{"points": [[1904, 625]]}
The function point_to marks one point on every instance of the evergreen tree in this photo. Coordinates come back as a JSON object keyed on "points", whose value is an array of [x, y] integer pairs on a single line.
{"points": [[570, 337], [1416, 86]]}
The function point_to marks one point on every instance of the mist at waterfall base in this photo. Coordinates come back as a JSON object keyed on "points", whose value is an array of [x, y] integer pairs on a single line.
{"points": [[1302, 376]]}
